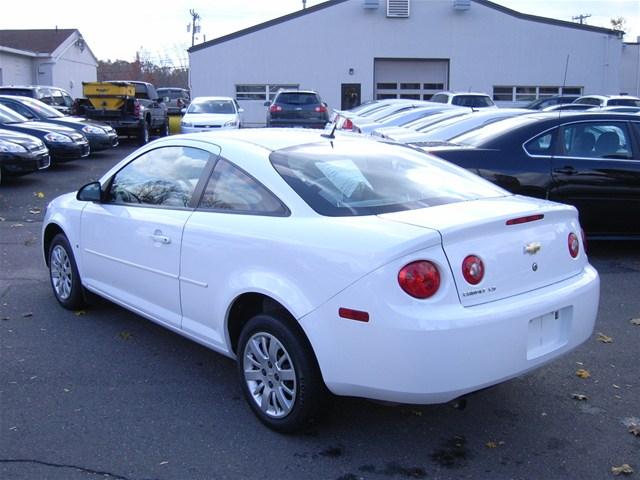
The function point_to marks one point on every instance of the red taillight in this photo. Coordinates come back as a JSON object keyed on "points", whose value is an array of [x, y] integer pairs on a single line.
{"points": [[321, 108], [519, 220], [275, 108], [473, 269], [347, 125], [137, 111], [419, 279], [574, 245]]}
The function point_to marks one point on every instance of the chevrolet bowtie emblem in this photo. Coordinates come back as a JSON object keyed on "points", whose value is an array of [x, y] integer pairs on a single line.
{"points": [[532, 248]]}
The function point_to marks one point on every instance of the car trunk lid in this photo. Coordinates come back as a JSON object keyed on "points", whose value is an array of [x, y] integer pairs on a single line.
{"points": [[523, 243]]}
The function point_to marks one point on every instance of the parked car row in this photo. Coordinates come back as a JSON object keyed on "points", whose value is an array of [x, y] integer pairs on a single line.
{"points": [[33, 134], [588, 159]]}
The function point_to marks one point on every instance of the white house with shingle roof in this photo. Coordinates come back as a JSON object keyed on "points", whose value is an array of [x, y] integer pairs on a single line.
{"points": [[408, 49], [57, 57]]}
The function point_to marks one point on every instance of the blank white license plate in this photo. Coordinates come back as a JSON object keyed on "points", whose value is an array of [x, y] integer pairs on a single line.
{"points": [[548, 332]]}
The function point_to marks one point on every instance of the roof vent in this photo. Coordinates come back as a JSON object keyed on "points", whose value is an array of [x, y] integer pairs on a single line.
{"points": [[461, 5], [372, 4], [398, 8]]}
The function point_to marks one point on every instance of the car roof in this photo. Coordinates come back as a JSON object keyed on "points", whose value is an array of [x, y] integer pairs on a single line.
{"points": [[463, 93], [609, 97], [269, 138], [17, 98]]}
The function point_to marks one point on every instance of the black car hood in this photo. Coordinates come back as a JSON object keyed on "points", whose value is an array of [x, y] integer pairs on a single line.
{"points": [[19, 138], [78, 121], [46, 127]]}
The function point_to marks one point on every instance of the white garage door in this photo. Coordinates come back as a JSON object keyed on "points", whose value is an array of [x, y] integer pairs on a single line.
{"points": [[417, 79]]}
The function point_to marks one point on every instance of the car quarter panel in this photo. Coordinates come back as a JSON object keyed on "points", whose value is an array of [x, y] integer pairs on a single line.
{"points": [[299, 261]]}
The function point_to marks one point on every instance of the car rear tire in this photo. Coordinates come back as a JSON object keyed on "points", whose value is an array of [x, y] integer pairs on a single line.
{"points": [[279, 374], [164, 130], [143, 134], [64, 276]]}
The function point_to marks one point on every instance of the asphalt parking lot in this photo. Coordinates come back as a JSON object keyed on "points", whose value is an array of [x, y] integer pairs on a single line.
{"points": [[103, 393]]}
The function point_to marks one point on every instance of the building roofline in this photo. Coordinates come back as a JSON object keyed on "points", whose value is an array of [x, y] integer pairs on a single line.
{"points": [[548, 21], [331, 3], [267, 24]]}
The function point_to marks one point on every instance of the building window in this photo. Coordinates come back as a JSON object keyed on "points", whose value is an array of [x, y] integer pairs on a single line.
{"points": [[433, 86], [409, 86], [384, 96], [410, 96], [387, 86], [517, 93], [262, 91]]}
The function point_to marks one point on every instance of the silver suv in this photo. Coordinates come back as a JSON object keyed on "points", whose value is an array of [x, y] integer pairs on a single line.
{"points": [[464, 99], [609, 100]]}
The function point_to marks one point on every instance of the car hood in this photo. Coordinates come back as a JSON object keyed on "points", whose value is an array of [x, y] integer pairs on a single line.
{"points": [[209, 118], [46, 127], [20, 138]]}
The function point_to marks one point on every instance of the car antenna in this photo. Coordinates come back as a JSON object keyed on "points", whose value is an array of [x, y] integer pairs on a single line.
{"points": [[564, 80], [332, 134]]}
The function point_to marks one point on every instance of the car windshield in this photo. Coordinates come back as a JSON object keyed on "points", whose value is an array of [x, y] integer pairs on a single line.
{"points": [[353, 178], [9, 116], [481, 136], [212, 106], [172, 94], [42, 109], [298, 98]]}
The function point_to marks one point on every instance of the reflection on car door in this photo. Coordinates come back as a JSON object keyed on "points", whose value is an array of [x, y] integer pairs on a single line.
{"points": [[132, 240], [597, 169]]}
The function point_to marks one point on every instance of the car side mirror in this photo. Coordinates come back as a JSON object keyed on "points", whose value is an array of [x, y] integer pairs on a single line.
{"points": [[240, 110], [91, 192]]}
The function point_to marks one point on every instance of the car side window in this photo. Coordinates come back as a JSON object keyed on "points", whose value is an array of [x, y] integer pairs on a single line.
{"points": [[21, 109], [44, 95], [232, 190], [596, 140], [166, 176], [540, 145]]}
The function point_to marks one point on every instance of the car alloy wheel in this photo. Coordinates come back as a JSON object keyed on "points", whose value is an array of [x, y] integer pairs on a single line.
{"points": [[270, 375], [279, 373], [61, 272]]}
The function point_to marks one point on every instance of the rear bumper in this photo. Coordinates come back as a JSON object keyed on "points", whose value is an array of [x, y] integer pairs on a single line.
{"points": [[434, 354], [302, 123]]}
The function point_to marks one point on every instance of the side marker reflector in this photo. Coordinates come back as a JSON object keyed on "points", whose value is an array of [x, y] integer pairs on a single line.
{"points": [[353, 314]]}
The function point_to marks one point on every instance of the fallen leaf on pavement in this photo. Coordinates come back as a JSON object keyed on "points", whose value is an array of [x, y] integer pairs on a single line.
{"points": [[16, 225], [80, 313], [582, 373], [38, 194], [635, 321], [624, 469], [491, 445], [634, 430], [579, 396], [35, 211], [27, 315], [2, 219], [604, 338], [125, 335], [164, 463]]}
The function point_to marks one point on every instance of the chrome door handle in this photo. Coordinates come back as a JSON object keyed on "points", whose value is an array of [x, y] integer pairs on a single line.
{"points": [[160, 238]]}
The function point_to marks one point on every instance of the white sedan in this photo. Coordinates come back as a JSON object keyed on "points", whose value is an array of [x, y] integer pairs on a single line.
{"points": [[211, 113], [321, 262]]}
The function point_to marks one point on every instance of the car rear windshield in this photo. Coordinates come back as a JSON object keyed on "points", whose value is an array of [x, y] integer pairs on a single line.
{"points": [[23, 92], [473, 101], [172, 94], [482, 136], [298, 98], [353, 178], [628, 102]]}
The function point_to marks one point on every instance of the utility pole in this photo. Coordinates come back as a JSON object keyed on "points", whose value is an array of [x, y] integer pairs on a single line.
{"points": [[195, 28], [581, 18], [304, 4]]}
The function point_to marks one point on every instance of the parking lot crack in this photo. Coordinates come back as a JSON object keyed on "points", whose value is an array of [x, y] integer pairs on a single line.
{"points": [[89, 471]]}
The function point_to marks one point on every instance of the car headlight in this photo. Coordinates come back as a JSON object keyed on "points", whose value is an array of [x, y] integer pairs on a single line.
{"points": [[57, 138], [92, 129], [11, 147], [231, 123], [186, 124]]}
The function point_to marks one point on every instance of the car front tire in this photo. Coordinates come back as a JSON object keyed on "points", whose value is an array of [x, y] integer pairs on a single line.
{"points": [[279, 374], [143, 134], [64, 276]]}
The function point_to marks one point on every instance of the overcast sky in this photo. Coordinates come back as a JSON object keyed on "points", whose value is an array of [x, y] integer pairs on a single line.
{"points": [[118, 28]]}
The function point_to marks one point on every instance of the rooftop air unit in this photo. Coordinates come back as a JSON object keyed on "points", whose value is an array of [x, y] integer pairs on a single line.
{"points": [[398, 8]]}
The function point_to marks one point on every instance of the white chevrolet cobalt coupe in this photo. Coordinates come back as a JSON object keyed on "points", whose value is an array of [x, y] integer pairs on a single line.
{"points": [[320, 262]]}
